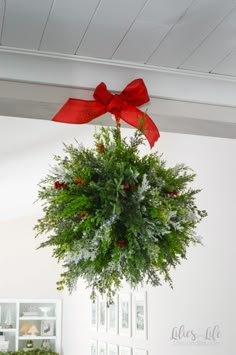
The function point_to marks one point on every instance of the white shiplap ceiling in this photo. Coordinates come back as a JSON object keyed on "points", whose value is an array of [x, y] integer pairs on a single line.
{"points": [[185, 34], [184, 49]]}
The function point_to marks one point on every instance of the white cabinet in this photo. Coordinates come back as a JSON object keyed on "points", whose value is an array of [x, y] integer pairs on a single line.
{"points": [[28, 322]]}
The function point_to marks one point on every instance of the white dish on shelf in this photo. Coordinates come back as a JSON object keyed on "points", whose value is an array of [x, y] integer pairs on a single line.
{"points": [[45, 310]]}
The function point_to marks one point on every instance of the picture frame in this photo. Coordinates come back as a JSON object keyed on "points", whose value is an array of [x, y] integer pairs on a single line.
{"points": [[112, 316], [93, 347], [47, 328], [140, 315], [112, 349], [140, 352], [102, 314], [124, 350], [102, 348], [125, 318], [94, 314]]}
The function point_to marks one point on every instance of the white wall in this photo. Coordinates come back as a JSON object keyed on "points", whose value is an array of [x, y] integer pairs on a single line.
{"points": [[27, 148], [26, 151], [25, 271], [204, 285]]}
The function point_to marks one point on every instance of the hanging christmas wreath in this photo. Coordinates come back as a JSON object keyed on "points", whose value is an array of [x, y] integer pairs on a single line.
{"points": [[112, 215]]}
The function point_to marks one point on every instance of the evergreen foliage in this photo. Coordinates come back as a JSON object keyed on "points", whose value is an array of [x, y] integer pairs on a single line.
{"points": [[112, 215], [29, 352]]}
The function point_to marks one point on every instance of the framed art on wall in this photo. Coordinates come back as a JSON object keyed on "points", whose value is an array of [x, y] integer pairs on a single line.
{"points": [[140, 315], [94, 315], [112, 317], [102, 348], [124, 350], [47, 328], [102, 314], [125, 314], [93, 347], [112, 349]]}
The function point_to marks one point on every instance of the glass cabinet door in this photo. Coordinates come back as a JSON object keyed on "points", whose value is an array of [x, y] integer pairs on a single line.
{"points": [[37, 326], [7, 326]]}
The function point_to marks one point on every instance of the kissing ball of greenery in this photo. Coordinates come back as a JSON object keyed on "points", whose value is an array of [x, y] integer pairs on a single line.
{"points": [[113, 215]]}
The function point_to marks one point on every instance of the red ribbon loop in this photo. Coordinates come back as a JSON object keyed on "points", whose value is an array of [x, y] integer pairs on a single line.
{"points": [[121, 105], [102, 95]]}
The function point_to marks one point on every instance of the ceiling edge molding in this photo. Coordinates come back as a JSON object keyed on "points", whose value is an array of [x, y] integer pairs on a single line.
{"points": [[29, 100], [113, 62], [86, 73]]}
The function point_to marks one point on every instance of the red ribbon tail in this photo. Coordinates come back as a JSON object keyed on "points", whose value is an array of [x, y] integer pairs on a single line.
{"points": [[142, 121], [79, 111]]}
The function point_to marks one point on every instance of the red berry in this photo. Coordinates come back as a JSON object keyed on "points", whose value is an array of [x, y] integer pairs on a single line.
{"points": [[125, 187], [79, 181], [174, 193], [59, 185], [101, 148], [121, 243]]}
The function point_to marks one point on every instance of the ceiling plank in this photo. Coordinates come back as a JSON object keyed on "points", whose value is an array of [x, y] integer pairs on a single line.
{"points": [[2, 11], [198, 22], [227, 66], [150, 27], [24, 22], [215, 48], [110, 24], [67, 24]]}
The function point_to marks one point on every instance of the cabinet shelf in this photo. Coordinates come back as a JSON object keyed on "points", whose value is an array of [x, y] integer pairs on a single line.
{"points": [[4, 330], [36, 318], [35, 337]]}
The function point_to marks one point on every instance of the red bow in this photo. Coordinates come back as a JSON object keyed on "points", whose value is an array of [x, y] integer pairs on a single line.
{"points": [[121, 106]]}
